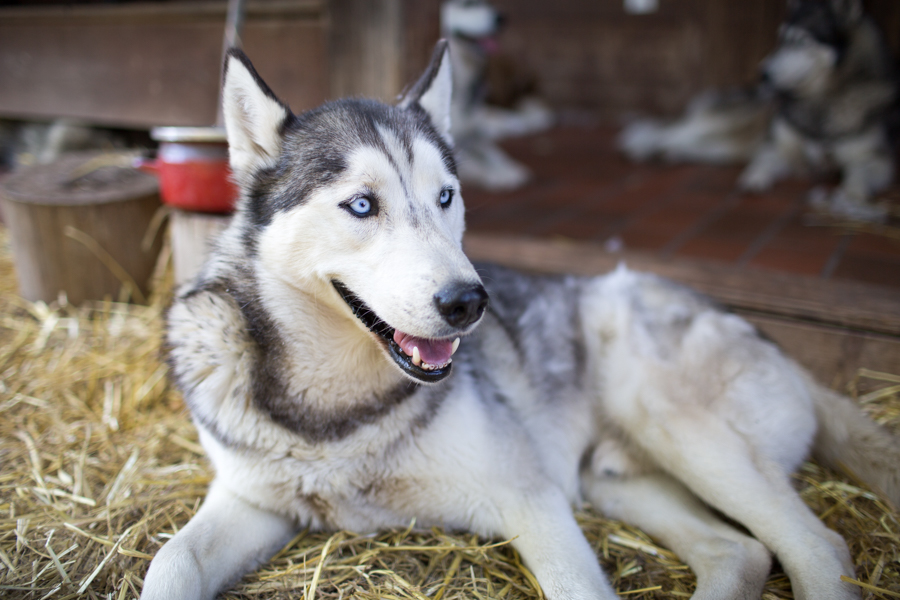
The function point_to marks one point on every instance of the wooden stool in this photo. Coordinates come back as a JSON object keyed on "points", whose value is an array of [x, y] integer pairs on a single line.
{"points": [[192, 236], [80, 226]]}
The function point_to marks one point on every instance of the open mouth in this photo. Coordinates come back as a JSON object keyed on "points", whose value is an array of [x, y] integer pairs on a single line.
{"points": [[487, 43], [422, 359]]}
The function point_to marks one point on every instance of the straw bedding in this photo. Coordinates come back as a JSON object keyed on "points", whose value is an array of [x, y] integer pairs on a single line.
{"points": [[99, 466]]}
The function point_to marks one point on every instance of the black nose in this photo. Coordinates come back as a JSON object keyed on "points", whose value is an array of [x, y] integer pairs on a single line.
{"points": [[461, 304]]}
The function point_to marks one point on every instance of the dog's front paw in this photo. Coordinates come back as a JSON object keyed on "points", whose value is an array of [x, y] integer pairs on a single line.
{"points": [[756, 178], [174, 574], [846, 205], [641, 140]]}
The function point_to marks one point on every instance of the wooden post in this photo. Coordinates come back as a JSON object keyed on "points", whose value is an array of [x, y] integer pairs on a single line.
{"points": [[365, 48], [192, 236]]}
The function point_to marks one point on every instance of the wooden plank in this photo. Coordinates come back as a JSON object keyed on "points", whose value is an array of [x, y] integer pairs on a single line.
{"points": [[379, 47], [861, 307], [421, 31], [192, 236], [834, 355], [592, 55], [737, 36], [142, 65], [156, 12], [365, 47], [603, 60]]}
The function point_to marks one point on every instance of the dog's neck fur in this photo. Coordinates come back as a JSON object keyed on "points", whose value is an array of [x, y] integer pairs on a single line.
{"points": [[307, 334], [324, 341], [323, 334]]}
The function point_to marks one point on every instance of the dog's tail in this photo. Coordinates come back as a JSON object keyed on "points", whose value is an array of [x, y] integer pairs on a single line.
{"points": [[849, 441]]}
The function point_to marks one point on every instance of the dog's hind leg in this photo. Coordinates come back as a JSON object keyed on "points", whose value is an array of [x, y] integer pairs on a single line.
{"points": [[719, 466], [729, 565], [225, 539], [701, 397]]}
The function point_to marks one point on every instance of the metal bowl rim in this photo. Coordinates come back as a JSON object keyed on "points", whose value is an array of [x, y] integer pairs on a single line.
{"points": [[189, 134]]}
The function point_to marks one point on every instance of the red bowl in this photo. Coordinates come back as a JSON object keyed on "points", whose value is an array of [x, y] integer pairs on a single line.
{"points": [[192, 167]]}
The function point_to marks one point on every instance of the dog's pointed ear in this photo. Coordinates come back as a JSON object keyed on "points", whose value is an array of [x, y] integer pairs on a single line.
{"points": [[254, 117], [433, 90]]}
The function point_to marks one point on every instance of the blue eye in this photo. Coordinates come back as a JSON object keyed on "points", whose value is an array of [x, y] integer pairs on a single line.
{"points": [[446, 197], [361, 206]]}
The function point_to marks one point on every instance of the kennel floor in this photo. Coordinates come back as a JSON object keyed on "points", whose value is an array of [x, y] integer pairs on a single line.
{"points": [[827, 291], [584, 190]]}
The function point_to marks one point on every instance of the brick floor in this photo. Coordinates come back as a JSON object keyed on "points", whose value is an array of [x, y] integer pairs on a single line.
{"points": [[583, 189]]}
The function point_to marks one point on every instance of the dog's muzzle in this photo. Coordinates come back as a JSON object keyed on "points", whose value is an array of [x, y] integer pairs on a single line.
{"points": [[426, 360]]}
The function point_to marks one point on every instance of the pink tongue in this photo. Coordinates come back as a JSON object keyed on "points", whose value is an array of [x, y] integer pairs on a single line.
{"points": [[433, 352], [489, 44]]}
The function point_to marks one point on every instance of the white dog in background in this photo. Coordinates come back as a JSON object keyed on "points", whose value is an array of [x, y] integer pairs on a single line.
{"points": [[471, 27]]}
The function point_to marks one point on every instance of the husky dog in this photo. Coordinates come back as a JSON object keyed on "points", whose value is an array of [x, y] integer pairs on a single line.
{"points": [[471, 27], [833, 79], [314, 351]]}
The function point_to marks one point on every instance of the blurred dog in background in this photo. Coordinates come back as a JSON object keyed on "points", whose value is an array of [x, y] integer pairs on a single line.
{"points": [[823, 104], [471, 27]]}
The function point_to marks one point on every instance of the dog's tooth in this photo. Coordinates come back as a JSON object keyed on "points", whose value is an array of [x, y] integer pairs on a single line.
{"points": [[455, 346], [416, 357]]}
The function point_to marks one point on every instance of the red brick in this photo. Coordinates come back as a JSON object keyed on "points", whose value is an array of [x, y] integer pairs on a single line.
{"points": [[720, 248]]}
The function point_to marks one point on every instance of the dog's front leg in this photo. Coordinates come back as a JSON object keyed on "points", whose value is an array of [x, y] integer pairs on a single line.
{"points": [[551, 544], [778, 157], [225, 539], [867, 168]]}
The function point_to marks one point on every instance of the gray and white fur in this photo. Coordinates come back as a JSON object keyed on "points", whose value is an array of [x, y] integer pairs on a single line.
{"points": [[314, 351]]}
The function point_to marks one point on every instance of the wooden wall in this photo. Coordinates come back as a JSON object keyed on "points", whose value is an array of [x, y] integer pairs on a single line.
{"points": [[590, 54], [140, 64], [379, 47], [148, 63]]}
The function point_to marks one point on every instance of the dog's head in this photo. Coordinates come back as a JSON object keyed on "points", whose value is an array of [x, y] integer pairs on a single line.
{"points": [[473, 21], [357, 205], [811, 43]]}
